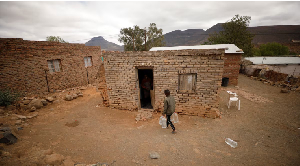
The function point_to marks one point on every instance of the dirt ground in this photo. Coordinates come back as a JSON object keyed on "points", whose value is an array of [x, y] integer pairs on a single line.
{"points": [[267, 130]]}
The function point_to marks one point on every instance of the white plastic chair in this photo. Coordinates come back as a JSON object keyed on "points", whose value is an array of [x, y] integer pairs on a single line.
{"points": [[233, 97]]}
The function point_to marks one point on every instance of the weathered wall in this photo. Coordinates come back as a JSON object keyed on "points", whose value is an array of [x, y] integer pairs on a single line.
{"points": [[121, 79], [23, 65], [232, 67]]}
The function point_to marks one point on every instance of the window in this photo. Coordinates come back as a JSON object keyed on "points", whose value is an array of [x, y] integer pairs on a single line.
{"points": [[54, 65], [187, 83], [88, 61]]}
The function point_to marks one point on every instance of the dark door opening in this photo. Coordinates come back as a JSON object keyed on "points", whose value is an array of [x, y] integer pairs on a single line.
{"points": [[146, 87]]}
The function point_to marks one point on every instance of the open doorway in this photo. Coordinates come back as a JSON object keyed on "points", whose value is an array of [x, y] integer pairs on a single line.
{"points": [[146, 88]]}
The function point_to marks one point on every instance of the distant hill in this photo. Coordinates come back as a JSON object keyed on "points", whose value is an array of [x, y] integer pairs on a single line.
{"points": [[105, 45], [263, 34]]}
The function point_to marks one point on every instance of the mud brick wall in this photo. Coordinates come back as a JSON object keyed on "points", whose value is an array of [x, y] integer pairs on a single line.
{"points": [[102, 85], [121, 78], [24, 67], [232, 67]]}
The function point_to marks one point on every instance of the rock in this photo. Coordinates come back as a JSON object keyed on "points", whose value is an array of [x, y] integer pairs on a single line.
{"points": [[68, 162], [56, 101], [23, 106], [44, 102], [37, 103], [5, 154], [50, 99], [47, 152], [54, 159], [284, 91], [32, 109], [74, 96], [79, 94], [20, 116], [14, 118], [26, 102], [82, 88], [5, 129], [9, 138], [68, 98], [18, 122], [32, 115], [154, 155]]}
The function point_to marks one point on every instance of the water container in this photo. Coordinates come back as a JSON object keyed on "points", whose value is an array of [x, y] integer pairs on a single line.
{"points": [[160, 120], [164, 123], [175, 117], [230, 142], [172, 118]]}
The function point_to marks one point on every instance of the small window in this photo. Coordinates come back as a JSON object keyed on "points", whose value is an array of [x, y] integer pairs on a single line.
{"points": [[88, 61], [54, 65], [187, 83]]}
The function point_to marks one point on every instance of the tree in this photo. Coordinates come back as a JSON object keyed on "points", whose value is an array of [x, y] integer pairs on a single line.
{"points": [[55, 39], [235, 32], [137, 39], [271, 49]]}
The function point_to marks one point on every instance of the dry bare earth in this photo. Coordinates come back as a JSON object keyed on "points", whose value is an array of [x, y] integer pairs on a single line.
{"points": [[267, 133]]}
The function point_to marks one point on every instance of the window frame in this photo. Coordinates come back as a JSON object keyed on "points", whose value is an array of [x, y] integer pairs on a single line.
{"points": [[88, 61], [194, 85], [52, 65]]}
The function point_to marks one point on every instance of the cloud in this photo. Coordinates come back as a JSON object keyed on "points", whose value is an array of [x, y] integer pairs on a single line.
{"points": [[80, 21]]}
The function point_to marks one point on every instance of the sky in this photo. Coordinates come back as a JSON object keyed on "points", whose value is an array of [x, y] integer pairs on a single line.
{"points": [[79, 21]]}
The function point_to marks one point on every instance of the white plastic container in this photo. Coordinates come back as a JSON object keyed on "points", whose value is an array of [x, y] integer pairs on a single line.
{"points": [[160, 120], [175, 118], [163, 123], [230, 142]]}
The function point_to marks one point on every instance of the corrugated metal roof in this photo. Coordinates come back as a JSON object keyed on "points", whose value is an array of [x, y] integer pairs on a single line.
{"points": [[229, 48], [274, 60]]}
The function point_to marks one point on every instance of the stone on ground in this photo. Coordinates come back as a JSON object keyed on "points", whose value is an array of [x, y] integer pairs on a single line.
{"points": [[50, 99], [68, 98], [32, 109], [37, 103], [68, 162], [154, 155], [44, 102], [54, 159]]}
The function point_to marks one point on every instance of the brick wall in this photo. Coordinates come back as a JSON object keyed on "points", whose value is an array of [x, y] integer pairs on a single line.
{"points": [[232, 67], [123, 89], [24, 67]]}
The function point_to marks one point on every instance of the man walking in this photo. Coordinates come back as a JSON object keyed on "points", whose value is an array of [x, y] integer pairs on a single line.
{"points": [[169, 109]]}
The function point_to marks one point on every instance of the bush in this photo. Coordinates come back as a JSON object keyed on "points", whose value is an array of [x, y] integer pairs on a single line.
{"points": [[273, 49], [8, 97]]}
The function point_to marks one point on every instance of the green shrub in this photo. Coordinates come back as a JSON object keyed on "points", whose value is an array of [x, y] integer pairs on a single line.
{"points": [[8, 97]]}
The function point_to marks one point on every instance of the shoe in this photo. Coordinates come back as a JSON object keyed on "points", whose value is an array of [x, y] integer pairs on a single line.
{"points": [[174, 132], [168, 127]]}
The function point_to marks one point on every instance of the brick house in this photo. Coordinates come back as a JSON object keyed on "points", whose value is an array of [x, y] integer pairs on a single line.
{"points": [[37, 67], [193, 77], [232, 58]]}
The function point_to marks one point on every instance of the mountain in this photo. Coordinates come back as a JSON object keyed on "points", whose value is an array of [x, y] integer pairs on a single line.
{"points": [[105, 45], [263, 34]]}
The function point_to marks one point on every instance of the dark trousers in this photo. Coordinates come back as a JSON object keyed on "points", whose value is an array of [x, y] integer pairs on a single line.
{"points": [[169, 122]]}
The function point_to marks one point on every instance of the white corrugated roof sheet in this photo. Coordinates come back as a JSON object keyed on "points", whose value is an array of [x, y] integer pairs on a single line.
{"points": [[229, 48], [274, 60]]}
